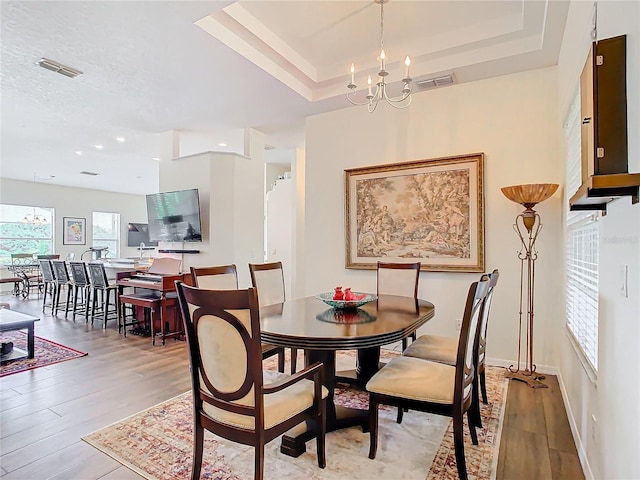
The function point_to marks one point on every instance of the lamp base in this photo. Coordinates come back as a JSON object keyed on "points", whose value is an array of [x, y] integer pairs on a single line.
{"points": [[530, 378]]}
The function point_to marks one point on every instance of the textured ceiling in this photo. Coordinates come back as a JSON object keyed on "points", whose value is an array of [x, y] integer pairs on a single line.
{"points": [[209, 69]]}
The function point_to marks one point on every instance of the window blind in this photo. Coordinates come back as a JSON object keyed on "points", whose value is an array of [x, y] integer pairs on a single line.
{"points": [[582, 250]]}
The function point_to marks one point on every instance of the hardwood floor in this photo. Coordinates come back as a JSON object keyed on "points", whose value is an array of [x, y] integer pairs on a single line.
{"points": [[45, 412], [536, 438]]}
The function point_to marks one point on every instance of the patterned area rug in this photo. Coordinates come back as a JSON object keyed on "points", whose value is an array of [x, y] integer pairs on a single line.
{"points": [[46, 353], [157, 442]]}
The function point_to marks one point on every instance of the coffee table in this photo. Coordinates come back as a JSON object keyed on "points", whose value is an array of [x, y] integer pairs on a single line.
{"points": [[11, 320]]}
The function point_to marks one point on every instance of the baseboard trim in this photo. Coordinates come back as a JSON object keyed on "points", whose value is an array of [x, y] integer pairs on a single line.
{"points": [[582, 453], [551, 370], [499, 362]]}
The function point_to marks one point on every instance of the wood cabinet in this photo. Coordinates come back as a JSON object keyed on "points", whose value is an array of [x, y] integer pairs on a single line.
{"points": [[603, 104], [604, 136]]}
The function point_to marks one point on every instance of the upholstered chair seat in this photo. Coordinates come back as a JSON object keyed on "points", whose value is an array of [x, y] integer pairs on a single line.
{"points": [[434, 347], [415, 379], [278, 406]]}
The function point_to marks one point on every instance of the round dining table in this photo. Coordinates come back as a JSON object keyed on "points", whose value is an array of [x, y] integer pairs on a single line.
{"points": [[310, 324]]}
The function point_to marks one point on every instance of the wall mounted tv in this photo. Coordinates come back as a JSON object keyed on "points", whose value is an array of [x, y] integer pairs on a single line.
{"points": [[138, 233], [174, 216]]}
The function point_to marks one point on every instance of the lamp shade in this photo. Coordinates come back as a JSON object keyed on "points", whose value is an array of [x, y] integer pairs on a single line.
{"points": [[529, 194]]}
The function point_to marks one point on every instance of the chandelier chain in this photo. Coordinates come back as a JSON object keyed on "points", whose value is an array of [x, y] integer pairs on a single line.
{"points": [[381, 26]]}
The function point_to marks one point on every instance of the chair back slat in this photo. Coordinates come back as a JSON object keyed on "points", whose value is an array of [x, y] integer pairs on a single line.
{"points": [[268, 280], [98, 275], [398, 279], [47, 271], [20, 259], [61, 272], [79, 274], [224, 277]]}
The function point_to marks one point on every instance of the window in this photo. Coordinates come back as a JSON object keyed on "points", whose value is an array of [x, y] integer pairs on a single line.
{"points": [[582, 255], [25, 230], [106, 232]]}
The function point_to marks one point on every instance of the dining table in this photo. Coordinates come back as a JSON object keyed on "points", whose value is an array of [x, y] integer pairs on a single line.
{"points": [[321, 330]]}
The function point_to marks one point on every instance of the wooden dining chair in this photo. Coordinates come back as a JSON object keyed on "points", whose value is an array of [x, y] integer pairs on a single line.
{"points": [[232, 396], [416, 384], [268, 280], [444, 349], [225, 277], [399, 279]]}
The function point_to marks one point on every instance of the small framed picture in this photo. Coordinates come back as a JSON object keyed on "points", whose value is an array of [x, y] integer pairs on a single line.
{"points": [[74, 231]]}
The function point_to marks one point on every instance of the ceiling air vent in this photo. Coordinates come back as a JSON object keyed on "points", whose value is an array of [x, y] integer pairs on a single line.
{"points": [[91, 174], [59, 68], [434, 82], [269, 147]]}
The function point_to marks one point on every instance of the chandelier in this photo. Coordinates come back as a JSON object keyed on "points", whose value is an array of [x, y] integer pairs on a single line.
{"points": [[35, 219], [373, 97]]}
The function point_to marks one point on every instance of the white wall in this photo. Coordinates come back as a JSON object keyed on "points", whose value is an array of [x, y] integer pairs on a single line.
{"points": [[610, 447], [231, 190], [279, 206], [512, 119], [77, 202]]}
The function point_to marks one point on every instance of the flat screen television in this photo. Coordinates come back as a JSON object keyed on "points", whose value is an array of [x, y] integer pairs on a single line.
{"points": [[138, 233], [174, 216]]}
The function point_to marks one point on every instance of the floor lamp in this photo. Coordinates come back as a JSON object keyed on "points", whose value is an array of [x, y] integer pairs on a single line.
{"points": [[527, 226]]}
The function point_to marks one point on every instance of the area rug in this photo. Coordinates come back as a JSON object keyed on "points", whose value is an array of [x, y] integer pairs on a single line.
{"points": [[46, 353], [157, 442]]}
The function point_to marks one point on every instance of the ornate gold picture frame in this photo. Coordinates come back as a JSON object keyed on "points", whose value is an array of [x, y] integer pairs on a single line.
{"points": [[430, 211]]}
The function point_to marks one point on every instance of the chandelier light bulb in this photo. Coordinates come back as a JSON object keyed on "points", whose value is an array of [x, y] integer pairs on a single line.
{"points": [[407, 62], [353, 73]]}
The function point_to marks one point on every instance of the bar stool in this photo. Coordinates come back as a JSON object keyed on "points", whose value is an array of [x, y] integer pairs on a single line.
{"points": [[101, 291], [62, 280], [80, 285], [49, 283]]}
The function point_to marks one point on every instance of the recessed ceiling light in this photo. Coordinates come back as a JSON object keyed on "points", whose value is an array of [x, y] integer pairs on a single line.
{"points": [[156, 159], [121, 139], [78, 152], [98, 147], [222, 144]]}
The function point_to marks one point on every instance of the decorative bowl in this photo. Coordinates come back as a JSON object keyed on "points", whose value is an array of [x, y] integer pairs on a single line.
{"points": [[328, 299], [345, 315]]}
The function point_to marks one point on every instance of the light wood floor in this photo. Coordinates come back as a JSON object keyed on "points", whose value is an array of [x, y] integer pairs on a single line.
{"points": [[46, 411]]}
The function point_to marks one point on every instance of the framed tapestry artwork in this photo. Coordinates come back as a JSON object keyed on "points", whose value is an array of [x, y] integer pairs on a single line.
{"points": [[74, 231], [430, 211]]}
